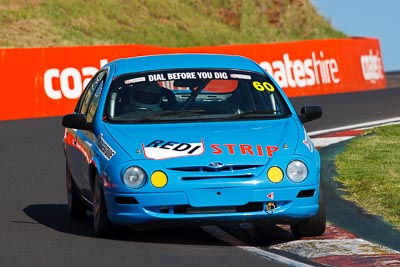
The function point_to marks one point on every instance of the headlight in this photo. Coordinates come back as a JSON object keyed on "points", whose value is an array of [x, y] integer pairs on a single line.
{"points": [[134, 177], [297, 171]]}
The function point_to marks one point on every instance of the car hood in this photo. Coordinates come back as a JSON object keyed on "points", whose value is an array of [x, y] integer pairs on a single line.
{"points": [[208, 143]]}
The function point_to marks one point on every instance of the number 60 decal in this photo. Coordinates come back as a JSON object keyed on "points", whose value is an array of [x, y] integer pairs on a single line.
{"points": [[264, 86]]}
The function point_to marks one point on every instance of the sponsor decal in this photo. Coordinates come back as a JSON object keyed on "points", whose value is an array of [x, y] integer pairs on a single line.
{"points": [[189, 75], [243, 149], [135, 80], [240, 76], [372, 67], [271, 195], [160, 149], [307, 141], [104, 147], [303, 72]]}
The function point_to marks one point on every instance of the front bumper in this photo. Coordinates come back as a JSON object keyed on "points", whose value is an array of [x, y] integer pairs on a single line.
{"points": [[217, 205]]}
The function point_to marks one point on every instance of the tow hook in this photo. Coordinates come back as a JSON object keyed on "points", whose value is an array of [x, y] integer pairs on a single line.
{"points": [[270, 207]]}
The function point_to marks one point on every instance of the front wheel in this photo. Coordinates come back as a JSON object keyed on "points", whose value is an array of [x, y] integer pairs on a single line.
{"points": [[101, 223], [315, 225]]}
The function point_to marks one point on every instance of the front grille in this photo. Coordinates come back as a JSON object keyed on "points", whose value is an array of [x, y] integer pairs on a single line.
{"points": [[227, 168], [191, 178], [224, 172], [187, 209]]}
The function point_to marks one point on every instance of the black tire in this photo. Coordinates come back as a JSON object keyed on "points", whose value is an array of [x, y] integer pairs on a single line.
{"points": [[315, 225], [101, 223], [76, 206]]}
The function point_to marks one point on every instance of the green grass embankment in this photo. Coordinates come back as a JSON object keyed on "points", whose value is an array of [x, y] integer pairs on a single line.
{"points": [[370, 170], [172, 23]]}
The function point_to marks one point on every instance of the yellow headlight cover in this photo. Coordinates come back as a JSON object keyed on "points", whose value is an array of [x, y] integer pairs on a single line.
{"points": [[159, 179], [275, 174]]}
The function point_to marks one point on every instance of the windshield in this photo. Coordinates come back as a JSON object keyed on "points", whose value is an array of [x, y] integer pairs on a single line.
{"points": [[193, 94]]}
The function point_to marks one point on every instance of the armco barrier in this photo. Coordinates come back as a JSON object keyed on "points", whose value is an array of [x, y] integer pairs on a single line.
{"points": [[41, 82]]}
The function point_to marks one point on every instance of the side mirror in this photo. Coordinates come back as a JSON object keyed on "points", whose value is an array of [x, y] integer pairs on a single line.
{"points": [[310, 113], [76, 121]]}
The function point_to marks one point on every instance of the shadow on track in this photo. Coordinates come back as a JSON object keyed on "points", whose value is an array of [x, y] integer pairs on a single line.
{"points": [[55, 216]]}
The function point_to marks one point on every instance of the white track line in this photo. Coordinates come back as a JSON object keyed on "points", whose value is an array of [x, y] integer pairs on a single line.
{"points": [[321, 142], [356, 126], [333, 247], [220, 234]]}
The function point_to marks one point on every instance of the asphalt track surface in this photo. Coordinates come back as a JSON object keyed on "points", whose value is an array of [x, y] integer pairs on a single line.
{"points": [[352, 108], [36, 230]]}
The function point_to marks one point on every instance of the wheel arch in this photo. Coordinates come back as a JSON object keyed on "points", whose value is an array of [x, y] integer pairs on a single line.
{"points": [[93, 171]]}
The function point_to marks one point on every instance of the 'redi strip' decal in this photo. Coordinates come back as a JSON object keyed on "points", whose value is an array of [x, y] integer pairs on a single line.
{"points": [[161, 149]]}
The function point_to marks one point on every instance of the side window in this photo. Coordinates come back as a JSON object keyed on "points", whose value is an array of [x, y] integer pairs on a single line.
{"points": [[86, 97], [94, 103]]}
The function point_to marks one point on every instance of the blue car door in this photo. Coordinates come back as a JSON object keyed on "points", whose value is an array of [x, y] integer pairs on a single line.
{"points": [[81, 150]]}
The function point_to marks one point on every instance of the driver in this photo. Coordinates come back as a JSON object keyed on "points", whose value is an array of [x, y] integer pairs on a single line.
{"points": [[147, 96]]}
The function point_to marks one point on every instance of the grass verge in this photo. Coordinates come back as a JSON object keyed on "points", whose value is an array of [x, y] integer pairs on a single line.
{"points": [[369, 169], [172, 23]]}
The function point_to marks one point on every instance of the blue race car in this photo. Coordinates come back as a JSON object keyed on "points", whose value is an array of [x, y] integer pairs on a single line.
{"points": [[191, 138]]}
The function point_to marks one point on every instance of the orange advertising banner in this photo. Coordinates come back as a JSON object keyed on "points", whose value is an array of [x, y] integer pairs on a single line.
{"points": [[42, 82]]}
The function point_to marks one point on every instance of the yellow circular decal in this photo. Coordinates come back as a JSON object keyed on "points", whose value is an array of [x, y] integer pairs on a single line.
{"points": [[159, 179], [275, 174], [263, 86]]}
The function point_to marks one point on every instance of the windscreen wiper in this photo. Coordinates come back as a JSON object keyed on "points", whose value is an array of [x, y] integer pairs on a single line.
{"points": [[251, 113], [162, 114]]}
